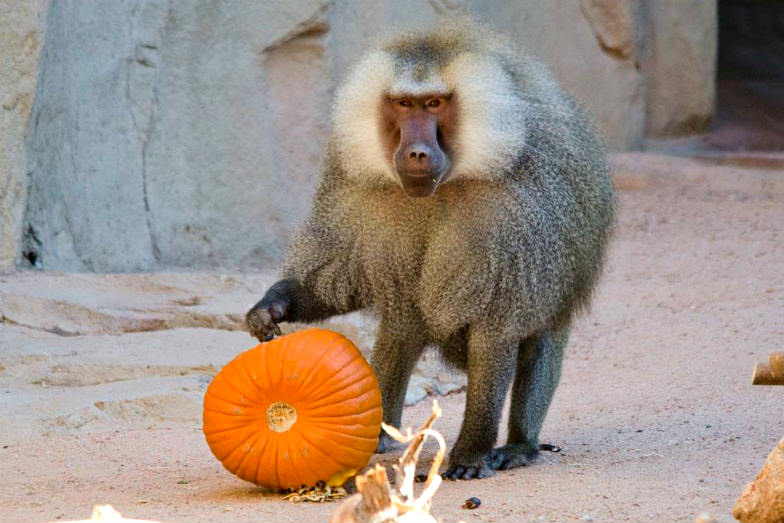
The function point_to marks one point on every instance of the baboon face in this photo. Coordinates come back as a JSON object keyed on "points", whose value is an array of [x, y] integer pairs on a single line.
{"points": [[418, 132], [421, 113]]}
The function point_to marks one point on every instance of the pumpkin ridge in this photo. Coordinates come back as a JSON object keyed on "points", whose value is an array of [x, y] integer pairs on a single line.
{"points": [[319, 403], [314, 366], [326, 381], [244, 369], [240, 365], [348, 450], [356, 436], [258, 462], [325, 435], [305, 461], [222, 413], [239, 426], [241, 466], [276, 455], [263, 362], [336, 420], [229, 385], [239, 447], [268, 444], [326, 420], [368, 432], [327, 432], [321, 452], [213, 396], [217, 437], [249, 415], [334, 460], [282, 371], [296, 459], [216, 397]]}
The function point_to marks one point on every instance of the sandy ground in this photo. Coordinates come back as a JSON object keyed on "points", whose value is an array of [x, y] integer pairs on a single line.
{"points": [[101, 376]]}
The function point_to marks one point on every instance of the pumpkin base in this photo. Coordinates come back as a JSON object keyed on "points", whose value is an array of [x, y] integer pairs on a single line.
{"points": [[281, 416]]}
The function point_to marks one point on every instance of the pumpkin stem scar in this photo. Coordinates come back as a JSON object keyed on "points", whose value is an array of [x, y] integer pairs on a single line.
{"points": [[281, 416]]}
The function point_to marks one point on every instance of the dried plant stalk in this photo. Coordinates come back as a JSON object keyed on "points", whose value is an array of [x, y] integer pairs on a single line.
{"points": [[763, 375], [377, 501], [777, 364], [762, 501]]}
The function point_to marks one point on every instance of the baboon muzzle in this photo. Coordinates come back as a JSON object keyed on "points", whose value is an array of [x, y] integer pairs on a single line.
{"points": [[419, 160]]}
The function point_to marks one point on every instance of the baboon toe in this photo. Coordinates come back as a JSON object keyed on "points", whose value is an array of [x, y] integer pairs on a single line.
{"points": [[477, 471], [511, 456]]}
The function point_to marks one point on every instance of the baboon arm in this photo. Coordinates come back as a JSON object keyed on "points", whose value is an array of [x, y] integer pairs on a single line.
{"points": [[322, 274], [302, 305]]}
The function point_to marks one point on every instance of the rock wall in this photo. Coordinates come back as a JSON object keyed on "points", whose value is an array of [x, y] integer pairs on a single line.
{"points": [[679, 67], [189, 134], [171, 133], [21, 36]]}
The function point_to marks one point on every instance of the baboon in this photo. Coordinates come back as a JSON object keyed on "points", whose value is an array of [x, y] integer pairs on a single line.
{"points": [[465, 199]]}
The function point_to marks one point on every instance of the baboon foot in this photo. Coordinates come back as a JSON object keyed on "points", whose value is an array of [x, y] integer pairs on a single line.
{"points": [[511, 456], [385, 443], [467, 469]]}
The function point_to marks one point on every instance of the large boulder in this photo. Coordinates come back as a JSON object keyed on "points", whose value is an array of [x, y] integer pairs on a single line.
{"points": [[169, 134]]}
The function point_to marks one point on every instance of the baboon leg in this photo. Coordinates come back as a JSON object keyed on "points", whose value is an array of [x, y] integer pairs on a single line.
{"points": [[489, 376], [538, 371], [394, 356]]}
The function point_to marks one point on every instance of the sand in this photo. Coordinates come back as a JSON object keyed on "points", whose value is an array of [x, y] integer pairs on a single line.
{"points": [[101, 376]]}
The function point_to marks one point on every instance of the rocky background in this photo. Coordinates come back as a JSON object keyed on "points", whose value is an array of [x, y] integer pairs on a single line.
{"points": [[154, 134]]}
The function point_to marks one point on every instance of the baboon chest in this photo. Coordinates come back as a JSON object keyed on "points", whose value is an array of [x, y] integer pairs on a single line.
{"points": [[393, 244]]}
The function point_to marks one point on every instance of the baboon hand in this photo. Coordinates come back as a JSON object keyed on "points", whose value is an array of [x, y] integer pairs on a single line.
{"points": [[263, 318]]}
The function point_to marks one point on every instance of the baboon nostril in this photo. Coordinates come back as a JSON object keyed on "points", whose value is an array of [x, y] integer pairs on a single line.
{"points": [[418, 154]]}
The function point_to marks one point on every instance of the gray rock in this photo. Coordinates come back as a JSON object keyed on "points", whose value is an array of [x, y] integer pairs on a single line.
{"points": [[433, 378], [21, 36], [613, 23], [577, 40], [169, 133], [76, 304], [680, 66], [53, 383], [83, 333]]}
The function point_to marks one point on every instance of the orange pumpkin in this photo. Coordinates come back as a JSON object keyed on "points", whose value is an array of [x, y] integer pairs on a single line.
{"points": [[295, 410]]}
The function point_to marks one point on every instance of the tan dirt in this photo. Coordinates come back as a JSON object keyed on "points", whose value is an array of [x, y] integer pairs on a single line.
{"points": [[655, 412]]}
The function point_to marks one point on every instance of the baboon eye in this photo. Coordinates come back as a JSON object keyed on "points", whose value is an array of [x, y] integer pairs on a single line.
{"points": [[435, 102], [406, 103]]}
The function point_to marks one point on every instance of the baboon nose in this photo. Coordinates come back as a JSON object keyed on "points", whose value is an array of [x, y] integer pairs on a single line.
{"points": [[418, 157]]}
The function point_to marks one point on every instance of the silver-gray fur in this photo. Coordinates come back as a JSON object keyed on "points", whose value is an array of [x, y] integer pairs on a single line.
{"points": [[491, 268]]}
